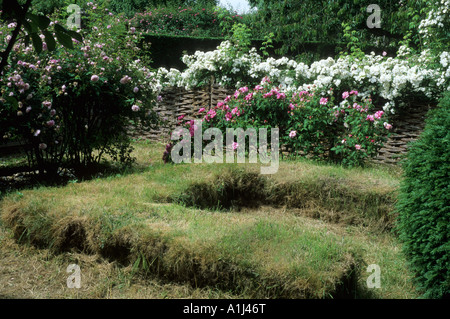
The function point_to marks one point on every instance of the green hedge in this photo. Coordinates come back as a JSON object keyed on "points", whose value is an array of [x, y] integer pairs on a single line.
{"points": [[423, 205], [167, 50]]}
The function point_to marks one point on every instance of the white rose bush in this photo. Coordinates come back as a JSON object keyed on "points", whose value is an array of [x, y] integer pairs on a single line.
{"points": [[393, 79]]}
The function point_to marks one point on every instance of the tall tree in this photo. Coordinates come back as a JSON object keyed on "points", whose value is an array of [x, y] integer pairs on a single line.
{"points": [[294, 22]]}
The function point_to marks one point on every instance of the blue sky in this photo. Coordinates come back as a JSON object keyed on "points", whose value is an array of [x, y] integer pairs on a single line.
{"points": [[241, 6]]}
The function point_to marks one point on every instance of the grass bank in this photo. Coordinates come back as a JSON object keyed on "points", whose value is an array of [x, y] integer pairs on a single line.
{"points": [[308, 231]]}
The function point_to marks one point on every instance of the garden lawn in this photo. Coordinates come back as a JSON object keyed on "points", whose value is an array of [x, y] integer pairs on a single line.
{"points": [[279, 249]]}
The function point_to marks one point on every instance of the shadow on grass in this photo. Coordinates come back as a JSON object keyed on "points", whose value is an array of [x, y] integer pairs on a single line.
{"points": [[15, 178]]}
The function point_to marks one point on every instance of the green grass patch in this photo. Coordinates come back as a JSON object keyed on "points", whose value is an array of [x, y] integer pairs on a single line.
{"points": [[225, 226]]}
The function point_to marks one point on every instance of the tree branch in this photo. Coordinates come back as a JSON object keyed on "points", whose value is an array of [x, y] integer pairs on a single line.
{"points": [[12, 41]]}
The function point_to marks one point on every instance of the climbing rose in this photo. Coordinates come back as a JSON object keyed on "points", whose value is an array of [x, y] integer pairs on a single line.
{"points": [[126, 79]]}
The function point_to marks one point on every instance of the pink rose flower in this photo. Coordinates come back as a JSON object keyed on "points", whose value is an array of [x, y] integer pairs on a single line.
{"points": [[358, 147], [212, 113], [48, 104], [192, 129], [281, 96], [126, 79], [292, 134], [378, 114], [94, 78], [370, 118], [323, 101]]}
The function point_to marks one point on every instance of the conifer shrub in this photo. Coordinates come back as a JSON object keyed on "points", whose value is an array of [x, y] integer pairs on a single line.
{"points": [[423, 204]]}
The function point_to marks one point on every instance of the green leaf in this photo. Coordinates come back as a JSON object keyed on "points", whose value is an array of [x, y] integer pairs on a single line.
{"points": [[75, 35], [37, 42], [43, 22], [60, 28], [30, 27], [51, 43], [64, 39], [12, 100], [39, 20], [65, 36], [27, 40]]}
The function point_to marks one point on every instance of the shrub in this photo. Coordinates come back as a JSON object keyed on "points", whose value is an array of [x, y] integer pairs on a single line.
{"points": [[74, 106], [423, 205], [390, 81], [308, 121], [129, 7], [197, 20], [49, 6]]}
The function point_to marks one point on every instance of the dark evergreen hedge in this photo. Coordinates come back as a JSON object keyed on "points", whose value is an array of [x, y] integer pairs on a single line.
{"points": [[167, 50], [424, 204]]}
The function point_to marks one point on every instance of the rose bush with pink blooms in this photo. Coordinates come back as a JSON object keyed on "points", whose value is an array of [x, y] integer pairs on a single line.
{"points": [[361, 130], [347, 133], [309, 122], [74, 106]]}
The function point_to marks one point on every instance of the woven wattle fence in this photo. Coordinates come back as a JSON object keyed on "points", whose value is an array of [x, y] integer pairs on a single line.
{"points": [[407, 126], [178, 101], [407, 123]]}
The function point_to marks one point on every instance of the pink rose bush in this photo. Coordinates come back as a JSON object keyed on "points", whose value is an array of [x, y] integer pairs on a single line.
{"points": [[76, 101], [310, 123]]}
